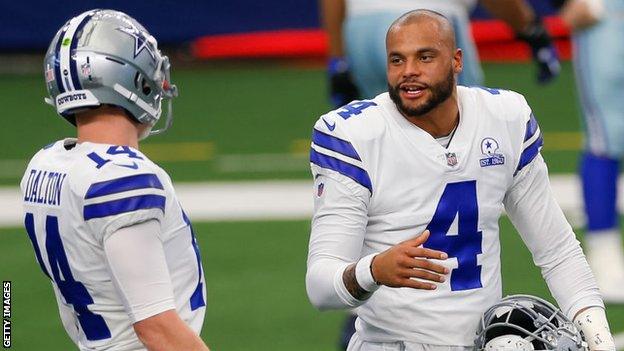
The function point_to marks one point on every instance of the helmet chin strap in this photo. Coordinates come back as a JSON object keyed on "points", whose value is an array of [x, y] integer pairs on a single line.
{"points": [[136, 99]]}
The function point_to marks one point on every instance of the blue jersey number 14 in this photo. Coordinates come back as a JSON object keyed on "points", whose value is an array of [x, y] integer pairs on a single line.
{"points": [[458, 199], [74, 292]]}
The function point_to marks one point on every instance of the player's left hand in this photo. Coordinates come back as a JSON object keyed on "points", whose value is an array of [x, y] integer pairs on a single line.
{"points": [[342, 90], [543, 50]]}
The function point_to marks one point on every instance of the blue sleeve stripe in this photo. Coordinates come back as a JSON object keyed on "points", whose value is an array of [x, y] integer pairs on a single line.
{"points": [[118, 185], [128, 204], [531, 127], [356, 173], [335, 144], [530, 152]]}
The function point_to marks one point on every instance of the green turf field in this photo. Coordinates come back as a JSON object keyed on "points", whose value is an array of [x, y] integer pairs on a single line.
{"points": [[256, 293], [253, 121]]}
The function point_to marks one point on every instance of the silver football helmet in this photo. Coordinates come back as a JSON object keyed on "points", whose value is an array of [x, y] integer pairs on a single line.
{"points": [[526, 323], [107, 57]]}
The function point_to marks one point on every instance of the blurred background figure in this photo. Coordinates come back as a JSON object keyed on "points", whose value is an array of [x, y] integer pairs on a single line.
{"points": [[597, 27], [356, 41]]}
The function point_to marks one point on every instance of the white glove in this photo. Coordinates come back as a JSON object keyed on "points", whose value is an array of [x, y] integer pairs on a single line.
{"points": [[593, 324]]}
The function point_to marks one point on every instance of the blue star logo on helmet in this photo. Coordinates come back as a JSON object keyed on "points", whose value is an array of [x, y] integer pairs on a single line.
{"points": [[141, 41]]}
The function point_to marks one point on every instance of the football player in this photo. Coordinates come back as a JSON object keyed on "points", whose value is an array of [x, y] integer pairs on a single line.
{"points": [[104, 221], [410, 188], [599, 78], [356, 31]]}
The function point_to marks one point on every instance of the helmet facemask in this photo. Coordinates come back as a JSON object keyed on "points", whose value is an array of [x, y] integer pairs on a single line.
{"points": [[522, 322]]}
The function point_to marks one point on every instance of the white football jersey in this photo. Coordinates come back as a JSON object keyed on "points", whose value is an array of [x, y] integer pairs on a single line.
{"points": [[412, 183], [75, 196]]}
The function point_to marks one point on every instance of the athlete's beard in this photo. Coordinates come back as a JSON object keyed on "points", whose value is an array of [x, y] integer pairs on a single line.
{"points": [[439, 93]]}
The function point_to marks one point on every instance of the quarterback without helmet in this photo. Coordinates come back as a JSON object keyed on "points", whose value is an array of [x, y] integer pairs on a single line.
{"points": [[414, 181], [104, 221]]}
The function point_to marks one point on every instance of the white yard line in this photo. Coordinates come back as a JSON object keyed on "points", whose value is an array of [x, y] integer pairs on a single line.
{"points": [[215, 201], [272, 200], [619, 341]]}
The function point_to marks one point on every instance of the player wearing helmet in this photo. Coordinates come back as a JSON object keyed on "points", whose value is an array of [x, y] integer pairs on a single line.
{"points": [[104, 220]]}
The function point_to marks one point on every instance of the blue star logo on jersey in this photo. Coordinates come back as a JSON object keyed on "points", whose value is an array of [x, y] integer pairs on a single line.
{"points": [[489, 148], [141, 41]]}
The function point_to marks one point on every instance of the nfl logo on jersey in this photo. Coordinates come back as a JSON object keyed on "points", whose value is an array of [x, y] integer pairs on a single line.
{"points": [[319, 190], [451, 159]]}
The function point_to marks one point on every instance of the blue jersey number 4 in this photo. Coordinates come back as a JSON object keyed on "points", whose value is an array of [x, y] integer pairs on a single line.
{"points": [[354, 108], [458, 200], [74, 292]]}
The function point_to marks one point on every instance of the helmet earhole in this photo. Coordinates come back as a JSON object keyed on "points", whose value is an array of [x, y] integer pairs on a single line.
{"points": [[145, 87]]}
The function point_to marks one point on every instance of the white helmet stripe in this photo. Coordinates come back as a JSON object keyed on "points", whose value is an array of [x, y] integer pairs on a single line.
{"points": [[70, 73], [73, 66], [57, 63]]}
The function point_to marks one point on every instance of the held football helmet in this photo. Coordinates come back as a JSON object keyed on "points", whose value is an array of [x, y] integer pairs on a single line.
{"points": [[526, 323], [107, 57]]}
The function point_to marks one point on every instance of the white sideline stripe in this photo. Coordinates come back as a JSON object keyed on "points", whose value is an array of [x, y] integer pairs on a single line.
{"points": [[276, 200], [619, 341]]}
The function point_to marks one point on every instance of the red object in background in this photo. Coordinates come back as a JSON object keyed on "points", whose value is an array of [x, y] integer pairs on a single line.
{"points": [[282, 43], [495, 41]]}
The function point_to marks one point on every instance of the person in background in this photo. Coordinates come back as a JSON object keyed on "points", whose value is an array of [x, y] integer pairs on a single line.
{"points": [[356, 30], [598, 50]]}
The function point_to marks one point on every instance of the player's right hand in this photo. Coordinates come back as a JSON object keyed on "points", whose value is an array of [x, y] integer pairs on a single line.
{"points": [[397, 266], [342, 90]]}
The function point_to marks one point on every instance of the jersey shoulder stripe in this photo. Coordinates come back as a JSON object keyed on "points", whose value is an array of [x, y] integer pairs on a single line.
{"points": [[356, 173], [531, 151], [334, 144], [119, 185], [532, 143], [128, 204], [531, 127]]}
